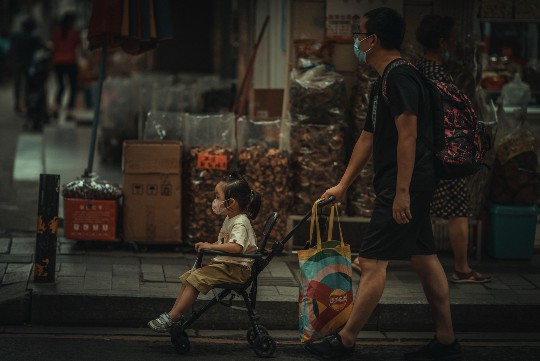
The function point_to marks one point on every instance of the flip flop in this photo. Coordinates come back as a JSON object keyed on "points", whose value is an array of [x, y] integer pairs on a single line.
{"points": [[470, 277]]}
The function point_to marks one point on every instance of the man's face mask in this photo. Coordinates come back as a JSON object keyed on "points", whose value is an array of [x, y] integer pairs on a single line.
{"points": [[361, 55], [217, 206]]}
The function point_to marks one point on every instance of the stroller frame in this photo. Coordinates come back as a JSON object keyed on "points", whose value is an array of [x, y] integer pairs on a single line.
{"points": [[257, 335]]}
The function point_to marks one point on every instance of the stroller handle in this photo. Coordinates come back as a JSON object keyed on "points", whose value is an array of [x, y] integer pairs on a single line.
{"points": [[325, 202]]}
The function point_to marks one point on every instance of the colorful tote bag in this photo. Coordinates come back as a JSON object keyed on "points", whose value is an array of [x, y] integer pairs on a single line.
{"points": [[325, 297]]}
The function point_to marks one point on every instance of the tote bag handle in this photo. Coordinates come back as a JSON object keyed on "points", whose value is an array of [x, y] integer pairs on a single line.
{"points": [[315, 224], [334, 210]]}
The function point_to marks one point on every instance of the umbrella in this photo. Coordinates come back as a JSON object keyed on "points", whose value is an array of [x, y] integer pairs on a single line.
{"points": [[134, 25]]}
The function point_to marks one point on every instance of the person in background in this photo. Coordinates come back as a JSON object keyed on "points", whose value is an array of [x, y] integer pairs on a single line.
{"points": [[400, 227], [437, 35], [5, 44], [23, 46], [66, 41]]}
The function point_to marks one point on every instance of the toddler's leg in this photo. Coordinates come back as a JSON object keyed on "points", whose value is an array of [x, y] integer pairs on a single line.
{"points": [[185, 299]]}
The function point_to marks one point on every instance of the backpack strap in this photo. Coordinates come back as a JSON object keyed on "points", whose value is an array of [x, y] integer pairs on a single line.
{"points": [[393, 64]]}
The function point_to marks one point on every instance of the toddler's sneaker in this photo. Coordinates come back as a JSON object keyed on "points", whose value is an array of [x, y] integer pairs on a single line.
{"points": [[436, 351], [162, 324]]}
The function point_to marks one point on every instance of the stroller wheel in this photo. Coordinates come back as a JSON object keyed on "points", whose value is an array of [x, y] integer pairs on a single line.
{"points": [[264, 346], [180, 340], [251, 335]]}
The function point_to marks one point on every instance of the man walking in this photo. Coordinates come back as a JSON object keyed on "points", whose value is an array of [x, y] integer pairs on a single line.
{"points": [[404, 182]]}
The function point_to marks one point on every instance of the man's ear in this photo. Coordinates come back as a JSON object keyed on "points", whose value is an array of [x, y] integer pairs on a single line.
{"points": [[442, 43]]}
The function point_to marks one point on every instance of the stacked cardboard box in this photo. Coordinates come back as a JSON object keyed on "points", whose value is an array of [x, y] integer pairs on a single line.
{"points": [[152, 191]]}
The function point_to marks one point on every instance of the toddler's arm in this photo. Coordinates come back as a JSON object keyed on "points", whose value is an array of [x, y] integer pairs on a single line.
{"points": [[229, 247]]}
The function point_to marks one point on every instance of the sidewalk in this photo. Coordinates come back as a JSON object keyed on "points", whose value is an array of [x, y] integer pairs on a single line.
{"points": [[102, 284]]}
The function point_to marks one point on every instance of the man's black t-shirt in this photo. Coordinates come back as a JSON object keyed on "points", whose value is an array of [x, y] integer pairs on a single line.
{"points": [[406, 92]]}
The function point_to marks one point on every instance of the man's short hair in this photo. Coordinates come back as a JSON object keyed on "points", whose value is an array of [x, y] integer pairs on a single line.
{"points": [[388, 25]]}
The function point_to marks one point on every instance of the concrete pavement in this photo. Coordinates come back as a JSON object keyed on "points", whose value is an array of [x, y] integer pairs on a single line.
{"points": [[113, 284]]}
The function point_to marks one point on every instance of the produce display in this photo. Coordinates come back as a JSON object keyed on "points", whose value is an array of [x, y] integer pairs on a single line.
{"points": [[204, 168], [317, 160], [266, 171]]}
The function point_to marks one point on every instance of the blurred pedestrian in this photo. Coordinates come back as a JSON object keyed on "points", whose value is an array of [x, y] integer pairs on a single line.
{"points": [[66, 42], [437, 35], [23, 46]]}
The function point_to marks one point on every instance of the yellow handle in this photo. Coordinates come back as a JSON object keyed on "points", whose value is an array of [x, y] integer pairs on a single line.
{"points": [[331, 225], [315, 223]]}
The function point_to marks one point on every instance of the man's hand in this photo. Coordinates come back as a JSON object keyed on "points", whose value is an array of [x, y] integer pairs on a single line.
{"points": [[202, 245], [401, 209], [337, 191]]}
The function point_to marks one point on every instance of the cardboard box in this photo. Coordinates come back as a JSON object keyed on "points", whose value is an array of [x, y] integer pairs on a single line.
{"points": [[266, 104], [152, 191], [88, 219]]}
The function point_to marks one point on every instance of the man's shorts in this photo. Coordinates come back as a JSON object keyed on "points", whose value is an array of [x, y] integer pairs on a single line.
{"points": [[385, 239], [205, 278]]}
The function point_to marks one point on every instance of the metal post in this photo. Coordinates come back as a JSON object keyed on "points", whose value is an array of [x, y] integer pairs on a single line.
{"points": [[97, 104], [47, 226]]}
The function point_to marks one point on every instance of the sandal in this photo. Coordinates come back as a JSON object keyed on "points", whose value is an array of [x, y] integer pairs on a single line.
{"points": [[470, 277], [356, 266]]}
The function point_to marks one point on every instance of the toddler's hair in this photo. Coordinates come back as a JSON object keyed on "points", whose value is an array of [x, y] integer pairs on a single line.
{"points": [[238, 188]]}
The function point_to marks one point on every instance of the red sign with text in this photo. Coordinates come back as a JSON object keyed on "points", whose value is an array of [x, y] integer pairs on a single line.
{"points": [[212, 161]]}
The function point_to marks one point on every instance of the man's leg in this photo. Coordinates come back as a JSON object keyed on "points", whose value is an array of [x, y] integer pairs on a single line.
{"points": [[368, 295], [458, 232], [435, 286]]}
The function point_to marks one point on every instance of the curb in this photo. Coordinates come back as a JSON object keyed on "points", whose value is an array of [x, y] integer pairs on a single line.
{"points": [[125, 311]]}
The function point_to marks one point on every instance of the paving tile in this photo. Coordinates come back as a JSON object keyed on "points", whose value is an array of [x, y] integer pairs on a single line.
{"points": [[288, 291], [125, 283], [153, 277], [91, 267], [23, 245], [97, 283], [15, 277], [17, 258], [126, 270], [279, 269], [72, 270], [18, 267], [70, 282], [4, 245], [534, 278], [154, 268], [172, 279], [173, 270]]}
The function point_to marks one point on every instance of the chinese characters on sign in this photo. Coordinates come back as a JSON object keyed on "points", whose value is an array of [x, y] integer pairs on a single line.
{"points": [[211, 161], [343, 16]]}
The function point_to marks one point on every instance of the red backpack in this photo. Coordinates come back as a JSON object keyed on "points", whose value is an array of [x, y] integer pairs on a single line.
{"points": [[460, 140]]}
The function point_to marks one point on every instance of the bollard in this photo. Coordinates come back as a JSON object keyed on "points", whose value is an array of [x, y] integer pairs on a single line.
{"points": [[47, 226]]}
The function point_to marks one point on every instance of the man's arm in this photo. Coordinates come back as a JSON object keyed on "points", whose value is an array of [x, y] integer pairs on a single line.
{"points": [[406, 124]]}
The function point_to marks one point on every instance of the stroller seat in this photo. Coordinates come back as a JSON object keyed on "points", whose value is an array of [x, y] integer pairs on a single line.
{"points": [[257, 335]]}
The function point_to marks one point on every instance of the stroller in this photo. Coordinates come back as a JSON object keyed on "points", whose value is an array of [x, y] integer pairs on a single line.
{"points": [[257, 335]]}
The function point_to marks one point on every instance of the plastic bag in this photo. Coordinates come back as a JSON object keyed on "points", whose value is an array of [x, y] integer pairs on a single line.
{"points": [[91, 188], [266, 169], [516, 173], [164, 126], [516, 92], [317, 96]]}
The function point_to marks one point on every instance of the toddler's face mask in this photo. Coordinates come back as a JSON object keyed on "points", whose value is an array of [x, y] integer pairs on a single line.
{"points": [[217, 206]]}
